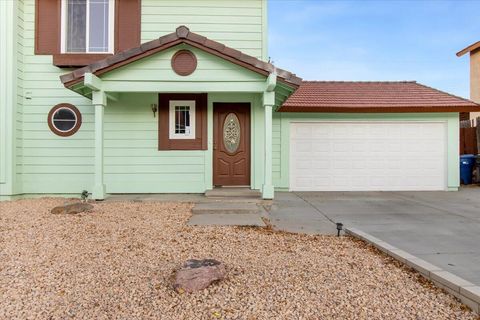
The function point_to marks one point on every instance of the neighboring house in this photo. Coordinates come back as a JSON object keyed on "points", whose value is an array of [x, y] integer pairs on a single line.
{"points": [[474, 51], [192, 104]]}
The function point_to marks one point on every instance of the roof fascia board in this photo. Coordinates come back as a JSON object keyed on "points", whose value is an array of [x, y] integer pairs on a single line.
{"points": [[470, 48]]}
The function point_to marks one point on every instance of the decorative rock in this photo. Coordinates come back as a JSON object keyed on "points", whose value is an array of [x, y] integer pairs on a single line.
{"points": [[72, 208], [198, 274]]}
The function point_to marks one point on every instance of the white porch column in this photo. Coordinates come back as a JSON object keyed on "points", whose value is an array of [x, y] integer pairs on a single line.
{"points": [[267, 188], [268, 104], [99, 101]]}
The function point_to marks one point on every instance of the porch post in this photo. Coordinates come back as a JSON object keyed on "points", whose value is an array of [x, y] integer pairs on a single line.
{"points": [[267, 188], [268, 104], [99, 101]]}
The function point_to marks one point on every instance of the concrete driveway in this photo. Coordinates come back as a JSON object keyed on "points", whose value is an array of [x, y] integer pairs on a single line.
{"points": [[442, 228]]}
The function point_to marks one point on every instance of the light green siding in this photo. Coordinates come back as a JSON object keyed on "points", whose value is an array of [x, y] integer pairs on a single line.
{"points": [[276, 147], [281, 177], [11, 57], [20, 98], [133, 163], [157, 68], [237, 24], [132, 160], [40, 162], [45, 162]]}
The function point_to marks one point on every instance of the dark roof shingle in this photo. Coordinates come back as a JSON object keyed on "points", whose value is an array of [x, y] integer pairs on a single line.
{"points": [[344, 96]]}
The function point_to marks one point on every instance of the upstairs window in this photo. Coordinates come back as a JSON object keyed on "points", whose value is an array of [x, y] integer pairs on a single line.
{"points": [[87, 26]]}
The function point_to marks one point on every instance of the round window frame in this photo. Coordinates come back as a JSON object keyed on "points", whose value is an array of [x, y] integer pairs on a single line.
{"points": [[177, 68], [76, 126]]}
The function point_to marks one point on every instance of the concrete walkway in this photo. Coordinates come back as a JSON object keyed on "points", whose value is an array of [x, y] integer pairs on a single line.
{"points": [[291, 213], [442, 228]]}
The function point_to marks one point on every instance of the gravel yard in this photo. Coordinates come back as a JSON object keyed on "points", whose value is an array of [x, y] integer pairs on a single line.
{"points": [[116, 263]]}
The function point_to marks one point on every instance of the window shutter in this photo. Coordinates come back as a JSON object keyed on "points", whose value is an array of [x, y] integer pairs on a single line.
{"points": [[47, 26], [127, 24]]}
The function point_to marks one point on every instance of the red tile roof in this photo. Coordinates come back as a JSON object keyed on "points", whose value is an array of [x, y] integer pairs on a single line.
{"points": [[406, 96]]}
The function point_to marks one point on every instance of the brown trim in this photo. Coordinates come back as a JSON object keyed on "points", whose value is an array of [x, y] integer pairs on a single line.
{"points": [[381, 109], [64, 133], [181, 35], [228, 58], [48, 32], [127, 24], [77, 79], [122, 63], [77, 59], [470, 48], [184, 62], [47, 26], [200, 141]]}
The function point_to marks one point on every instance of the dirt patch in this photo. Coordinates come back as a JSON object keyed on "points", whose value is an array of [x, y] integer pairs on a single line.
{"points": [[115, 262]]}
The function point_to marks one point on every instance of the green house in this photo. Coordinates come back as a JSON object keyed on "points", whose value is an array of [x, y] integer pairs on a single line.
{"points": [[177, 96]]}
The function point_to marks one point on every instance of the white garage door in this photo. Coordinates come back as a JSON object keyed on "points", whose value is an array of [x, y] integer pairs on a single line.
{"points": [[367, 156]]}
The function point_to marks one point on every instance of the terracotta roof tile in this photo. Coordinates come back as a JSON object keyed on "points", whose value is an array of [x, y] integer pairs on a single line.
{"points": [[181, 35], [406, 96]]}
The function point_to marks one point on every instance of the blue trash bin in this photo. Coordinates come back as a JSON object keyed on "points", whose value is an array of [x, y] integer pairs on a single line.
{"points": [[466, 168]]}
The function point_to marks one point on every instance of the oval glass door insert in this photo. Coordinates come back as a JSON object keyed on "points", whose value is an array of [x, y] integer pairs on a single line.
{"points": [[231, 132]]}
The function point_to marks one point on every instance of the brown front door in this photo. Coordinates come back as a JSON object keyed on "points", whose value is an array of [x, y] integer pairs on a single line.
{"points": [[231, 144]]}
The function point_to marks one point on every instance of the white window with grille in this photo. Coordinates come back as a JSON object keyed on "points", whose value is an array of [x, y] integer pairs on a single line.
{"points": [[182, 119]]}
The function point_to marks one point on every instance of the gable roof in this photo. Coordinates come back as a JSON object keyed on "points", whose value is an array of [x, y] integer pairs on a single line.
{"points": [[181, 35], [470, 48], [343, 96]]}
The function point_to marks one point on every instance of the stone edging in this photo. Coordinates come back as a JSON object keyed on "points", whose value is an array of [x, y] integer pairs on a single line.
{"points": [[466, 291]]}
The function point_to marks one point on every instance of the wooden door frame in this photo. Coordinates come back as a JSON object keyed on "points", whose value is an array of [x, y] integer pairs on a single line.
{"points": [[248, 130]]}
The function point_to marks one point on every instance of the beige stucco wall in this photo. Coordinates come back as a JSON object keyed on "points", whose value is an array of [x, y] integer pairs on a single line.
{"points": [[475, 79]]}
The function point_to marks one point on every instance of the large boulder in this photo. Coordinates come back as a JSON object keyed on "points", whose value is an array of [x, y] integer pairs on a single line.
{"points": [[72, 208], [198, 274]]}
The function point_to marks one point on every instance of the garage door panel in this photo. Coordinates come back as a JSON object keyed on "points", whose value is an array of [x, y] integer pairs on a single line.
{"points": [[321, 146], [302, 132], [367, 156], [303, 146]]}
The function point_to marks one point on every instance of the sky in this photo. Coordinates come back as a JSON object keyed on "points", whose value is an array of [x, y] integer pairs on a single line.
{"points": [[375, 40]]}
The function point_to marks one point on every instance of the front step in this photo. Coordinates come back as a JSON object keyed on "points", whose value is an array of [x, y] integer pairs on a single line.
{"points": [[226, 213], [221, 219], [225, 208], [231, 192]]}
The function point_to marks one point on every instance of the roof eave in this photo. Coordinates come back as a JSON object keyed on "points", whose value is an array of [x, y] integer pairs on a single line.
{"points": [[470, 48], [378, 109], [182, 35]]}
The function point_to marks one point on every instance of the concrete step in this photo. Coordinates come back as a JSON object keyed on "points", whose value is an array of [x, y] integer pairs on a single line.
{"points": [[225, 208], [233, 193], [222, 219]]}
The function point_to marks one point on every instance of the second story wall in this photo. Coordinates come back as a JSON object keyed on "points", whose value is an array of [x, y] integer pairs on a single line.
{"points": [[238, 24], [475, 75], [45, 161]]}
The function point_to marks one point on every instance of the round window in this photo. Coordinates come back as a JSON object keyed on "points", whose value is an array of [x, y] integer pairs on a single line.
{"points": [[64, 119]]}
